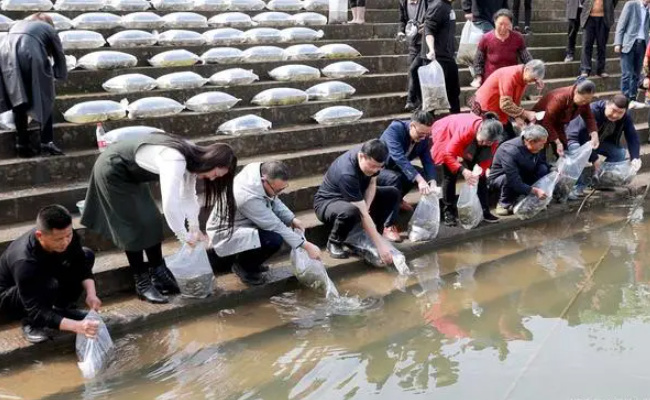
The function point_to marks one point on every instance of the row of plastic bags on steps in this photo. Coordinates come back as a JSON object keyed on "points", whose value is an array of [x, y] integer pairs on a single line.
{"points": [[164, 5]]}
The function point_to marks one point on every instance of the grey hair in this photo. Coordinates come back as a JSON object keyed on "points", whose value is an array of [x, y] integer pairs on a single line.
{"points": [[273, 170], [504, 12], [491, 130], [536, 68], [585, 87], [534, 133]]}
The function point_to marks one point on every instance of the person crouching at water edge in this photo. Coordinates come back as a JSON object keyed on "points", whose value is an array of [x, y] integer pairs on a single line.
{"points": [[42, 275], [119, 204], [350, 195], [473, 140], [407, 140], [262, 223], [517, 164]]}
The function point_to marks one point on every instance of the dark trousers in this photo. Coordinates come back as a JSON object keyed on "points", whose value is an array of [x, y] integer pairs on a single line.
{"points": [[357, 3], [414, 94], [509, 132], [595, 30], [631, 64], [574, 28], [528, 10], [452, 84], [449, 190], [250, 260], [395, 178], [21, 121], [507, 196], [63, 291], [342, 216]]}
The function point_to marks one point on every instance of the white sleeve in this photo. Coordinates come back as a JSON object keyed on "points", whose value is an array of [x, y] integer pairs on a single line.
{"points": [[172, 173], [190, 201]]}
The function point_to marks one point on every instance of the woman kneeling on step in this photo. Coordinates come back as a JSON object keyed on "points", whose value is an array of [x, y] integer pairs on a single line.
{"points": [[120, 206]]}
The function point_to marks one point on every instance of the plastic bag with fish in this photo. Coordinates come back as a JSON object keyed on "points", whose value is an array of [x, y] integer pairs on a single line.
{"points": [[344, 69], [332, 90], [184, 19], [432, 84], [312, 273], [26, 5], [94, 353], [222, 55], [211, 102], [280, 97], [192, 270], [233, 77], [614, 174], [262, 54], [284, 5], [263, 35], [97, 20], [95, 111], [470, 211], [79, 5], [339, 50], [337, 115], [425, 222], [128, 5], [132, 38], [301, 34], [211, 5], [245, 125], [231, 20], [246, 5], [129, 132], [100, 60], [361, 244], [181, 80], [224, 37], [316, 5], [295, 73], [173, 5], [309, 19], [61, 22], [531, 205], [570, 167], [469, 39], [180, 37], [273, 18], [81, 40], [338, 11], [174, 58], [151, 107], [302, 52], [142, 20], [129, 83]]}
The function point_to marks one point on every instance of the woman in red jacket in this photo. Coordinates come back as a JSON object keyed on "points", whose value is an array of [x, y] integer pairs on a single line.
{"points": [[459, 142]]}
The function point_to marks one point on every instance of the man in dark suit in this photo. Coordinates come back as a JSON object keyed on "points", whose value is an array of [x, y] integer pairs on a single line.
{"points": [[596, 20]]}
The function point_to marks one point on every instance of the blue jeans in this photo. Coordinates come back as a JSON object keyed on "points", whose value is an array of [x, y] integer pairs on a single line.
{"points": [[609, 150], [631, 64]]}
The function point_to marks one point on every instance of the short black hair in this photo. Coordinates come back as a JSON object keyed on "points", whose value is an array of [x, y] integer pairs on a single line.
{"points": [[585, 87], [53, 217], [375, 149], [620, 101], [273, 170], [422, 117]]}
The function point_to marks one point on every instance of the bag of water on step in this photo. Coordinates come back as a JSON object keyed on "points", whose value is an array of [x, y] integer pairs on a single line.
{"points": [[470, 211], [81, 40], [128, 5], [337, 115], [224, 37], [300, 34], [174, 58], [339, 50], [245, 125], [129, 83], [231, 20], [284, 5], [97, 20], [211, 5], [7, 121], [180, 20], [61, 23], [95, 111], [262, 54], [531, 205], [316, 5], [94, 353], [312, 273], [309, 19], [246, 5], [570, 167], [70, 62], [295, 73], [263, 35], [142, 20], [192, 270], [100, 60], [132, 38], [211, 102], [432, 83], [234, 77], [469, 39], [181, 80], [173, 5], [615, 174], [151, 107], [222, 55], [273, 18], [280, 97], [332, 90], [179, 37], [425, 222], [338, 11], [79, 5], [129, 132], [26, 5], [301, 52], [361, 244], [344, 69]]}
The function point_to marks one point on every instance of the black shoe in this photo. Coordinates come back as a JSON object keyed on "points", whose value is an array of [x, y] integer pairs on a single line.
{"points": [[50, 149], [25, 151], [163, 280], [147, 291], [337, 251], [450, 219], [410, 106], [70, 313], [263, 268], [527, 30], [34, 335], [253, 278], [489, 217]]}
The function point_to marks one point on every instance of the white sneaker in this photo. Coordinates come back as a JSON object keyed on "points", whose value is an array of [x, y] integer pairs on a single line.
{"points": [[635, 104]]}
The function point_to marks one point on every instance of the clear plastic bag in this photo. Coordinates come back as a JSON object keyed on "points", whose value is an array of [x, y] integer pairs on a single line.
{"points": [[5, 23], [245, 125], [432, 84], [94, 353], [332, 90], [294, 73], [211, 102], [360, 243], [337, 115], [81, 40], [615, 174], [234, 77], [132, 38], [211, 5], [284, 5], [470, 211], [300, 34], [96, 20], [151, 107], [222, 55], [26, 5], [344, 69], [273, 18], [280, 97], [425, 222], [469, 39], [70, 62], [184, 20], [173, 5], [312, 273], [107, 60], [301, 52], [61, 22], [178, 37], [128, 133], [262, 54], [142, 20], [339, 50], [128, 5], [338, 11], [246, 5], [316, 5], [570, 167], [130, 83], [7, 121], [192, 270], [95, 111], [224, 37], [309, 19], [231, 20], [79, 5], [174, 58], [531, 205], [263, 35], [181, 80]]}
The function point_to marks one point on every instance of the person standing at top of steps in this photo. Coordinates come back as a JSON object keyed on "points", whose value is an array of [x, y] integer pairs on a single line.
{"points": [[411, 17], [120, 206], [407, 140], [350, 195], [27, 80], [573, 15], [528, 11], [262, 223], [358, 8], [481, 12], [596, 20], [42, 275]]}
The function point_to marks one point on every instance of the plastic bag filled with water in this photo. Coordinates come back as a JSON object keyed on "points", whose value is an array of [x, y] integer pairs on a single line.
{"points": [[470, 211], [81, 40], [301, 52], [297, 34], [263, 35], [97, 20], [151, 107], [316, 5], [337, 115], [309, 19], [432, 84], [142, 20], [295, 73], [246, 5], [339, 50], [211, 5], [570, 167], [128, 5], [262, 54], [129, 83], [469, 39], [211, 102], [231, 20], [361, 244], [174, 58], [222, 55], [224, 37], [344, 69], [284, 5], [70, 62], [531, 205], [26, 5], [132, 38], [273, 18], [338, 11], [79, 5], [129, 132], [615, 174], [181, 80], [107, 60], [178, 37], [280, 97], [7, 121], [192, 270], [61, 22], [332, 90], [94, 353], [234, 77], [245, 125], [184, 20], [95, 111], [425, 222], [173, 5], [312, 273]]}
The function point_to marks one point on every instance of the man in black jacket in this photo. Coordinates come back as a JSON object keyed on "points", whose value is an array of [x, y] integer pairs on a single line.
{"points": [[596, 20], [481, 12], [43, 273]]}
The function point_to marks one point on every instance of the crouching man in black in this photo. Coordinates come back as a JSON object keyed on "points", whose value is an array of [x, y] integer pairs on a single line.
{"points": [[42, 275], [349, 195]]}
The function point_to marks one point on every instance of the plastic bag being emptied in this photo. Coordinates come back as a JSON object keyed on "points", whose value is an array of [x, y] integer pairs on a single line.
{"points": [[425, 221], [361, 244], [312, 273], [531, 205], [470, 211], [94, 353]]}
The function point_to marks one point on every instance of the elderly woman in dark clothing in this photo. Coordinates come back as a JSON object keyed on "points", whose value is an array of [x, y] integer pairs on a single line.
{"points": [[27, 79]]}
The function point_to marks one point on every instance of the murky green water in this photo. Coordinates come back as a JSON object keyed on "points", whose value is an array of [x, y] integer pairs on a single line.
{"points": [[556, 310]]}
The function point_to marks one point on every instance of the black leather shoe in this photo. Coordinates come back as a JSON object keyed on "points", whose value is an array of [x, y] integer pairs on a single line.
{"points": [[252, 278], [34, 335], [337, 251], [50, 149], [147, 291], [71, 313], [490, 218], [163, 280], [450, 219], [25, 151]]}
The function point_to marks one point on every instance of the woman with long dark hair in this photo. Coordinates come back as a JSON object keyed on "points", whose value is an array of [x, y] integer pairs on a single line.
{"points": [[119, 204]]}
